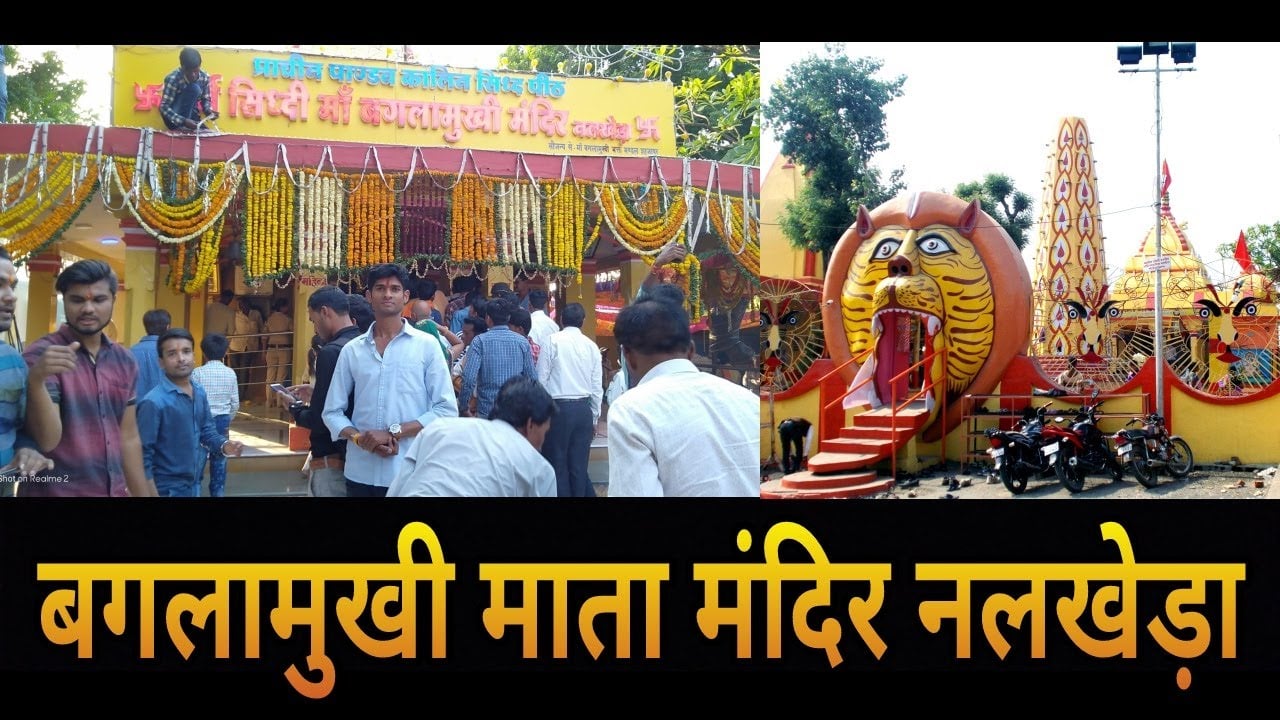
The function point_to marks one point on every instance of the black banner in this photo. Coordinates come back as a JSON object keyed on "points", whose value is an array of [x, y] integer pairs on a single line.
{"points": [[1163, 601]]}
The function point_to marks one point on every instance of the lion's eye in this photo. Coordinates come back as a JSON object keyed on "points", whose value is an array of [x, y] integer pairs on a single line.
{"points": [[886, 249], [765, 320], [935, 245], [1073, 313], [791, 318], [1113, 312], [1204, 313], [1250, 309]]}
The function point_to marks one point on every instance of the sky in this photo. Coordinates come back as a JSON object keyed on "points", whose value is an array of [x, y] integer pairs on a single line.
{"points": [[969, 109]]}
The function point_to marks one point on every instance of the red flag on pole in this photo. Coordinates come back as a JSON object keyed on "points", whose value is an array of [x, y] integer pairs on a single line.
{"points": [[1165, 179], [1242, 254]]}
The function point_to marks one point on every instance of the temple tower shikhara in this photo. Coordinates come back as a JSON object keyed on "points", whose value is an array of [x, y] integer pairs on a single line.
{"points": [[1070, 263]]}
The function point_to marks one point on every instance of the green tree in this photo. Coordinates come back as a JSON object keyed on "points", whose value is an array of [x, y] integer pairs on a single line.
{"points": [[829, 116], [1263, 242], [40, 92], [1001, 200], [716, 88]]}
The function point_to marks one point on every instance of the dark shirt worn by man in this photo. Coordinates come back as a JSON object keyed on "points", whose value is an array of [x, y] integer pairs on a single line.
{"points": [[310, 416], [92, 400], [187, 426]]}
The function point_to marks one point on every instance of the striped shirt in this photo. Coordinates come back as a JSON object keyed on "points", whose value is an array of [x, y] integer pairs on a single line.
{"points": [[92, 400], [219, 383], [493, 358]]}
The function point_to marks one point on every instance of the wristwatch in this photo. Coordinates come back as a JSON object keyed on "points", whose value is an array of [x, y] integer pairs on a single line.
{"points": [[394, 430]]}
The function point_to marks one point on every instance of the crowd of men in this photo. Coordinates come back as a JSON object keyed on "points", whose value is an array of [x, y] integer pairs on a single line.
{"points": [[401, 404]]}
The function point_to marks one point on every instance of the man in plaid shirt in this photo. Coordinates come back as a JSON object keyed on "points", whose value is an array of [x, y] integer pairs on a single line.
{"points": [[219, 383], [494, 358], [185, 99]]}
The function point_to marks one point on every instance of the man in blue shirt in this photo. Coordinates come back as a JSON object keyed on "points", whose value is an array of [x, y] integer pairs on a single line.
{"points": [[181, 408], [494, 358], [144, 351], [16, 447]]}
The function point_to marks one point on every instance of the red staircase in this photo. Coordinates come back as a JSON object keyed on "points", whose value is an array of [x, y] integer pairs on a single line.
{"points": [[844, 467]]}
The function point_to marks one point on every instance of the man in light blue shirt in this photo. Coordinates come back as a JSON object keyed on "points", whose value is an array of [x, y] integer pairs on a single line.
{"points": [[494, 358], [401, 383], [144, 351]]}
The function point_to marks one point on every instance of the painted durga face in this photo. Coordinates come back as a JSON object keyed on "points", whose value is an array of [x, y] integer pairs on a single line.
{"points": [[921, 275]]}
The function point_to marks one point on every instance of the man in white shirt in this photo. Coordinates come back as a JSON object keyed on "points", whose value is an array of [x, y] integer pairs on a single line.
{"points": [[470, 457], [679, 432], [569, 368], [543, 327], [401, 383]]}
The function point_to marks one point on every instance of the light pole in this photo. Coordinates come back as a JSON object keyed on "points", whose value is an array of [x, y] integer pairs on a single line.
{"points": [[1132, 55]]}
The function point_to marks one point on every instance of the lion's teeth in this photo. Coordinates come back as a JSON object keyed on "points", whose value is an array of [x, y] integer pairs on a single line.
{"points": [[934, 325]]}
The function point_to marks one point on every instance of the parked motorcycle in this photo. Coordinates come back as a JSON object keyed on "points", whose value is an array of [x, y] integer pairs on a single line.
{"points": [[1150, 448], [1084, 449], [1017, 454]]}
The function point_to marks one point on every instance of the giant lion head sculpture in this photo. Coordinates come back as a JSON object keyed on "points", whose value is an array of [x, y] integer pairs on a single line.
{"points": [[940, 271]]}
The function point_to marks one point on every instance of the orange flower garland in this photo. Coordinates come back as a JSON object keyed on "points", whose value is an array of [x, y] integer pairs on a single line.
{"points": [[371, 231], [472, 233]]}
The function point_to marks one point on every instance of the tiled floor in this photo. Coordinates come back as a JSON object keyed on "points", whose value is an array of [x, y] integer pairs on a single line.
{"points": [[263, 439]]}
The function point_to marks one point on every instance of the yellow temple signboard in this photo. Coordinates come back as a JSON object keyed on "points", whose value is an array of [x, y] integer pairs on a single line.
{"points": [[386, 103]]}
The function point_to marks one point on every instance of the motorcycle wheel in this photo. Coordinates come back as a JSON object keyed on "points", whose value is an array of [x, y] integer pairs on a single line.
{"points": [[1142, 469], [1072, 478], [1180, 458], [1015, 485], [1116, 470]]}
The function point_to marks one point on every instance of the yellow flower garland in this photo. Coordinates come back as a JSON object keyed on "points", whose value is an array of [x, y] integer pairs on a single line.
{"points": [[269, 225], [37, 201], [687, 274], [640, 236], [35, 231], [743, 245], [183, 221]]}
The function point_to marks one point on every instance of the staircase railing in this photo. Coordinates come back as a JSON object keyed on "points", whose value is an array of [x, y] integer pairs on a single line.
{"points": [[925, 388], [859, 358], [894, 406]]}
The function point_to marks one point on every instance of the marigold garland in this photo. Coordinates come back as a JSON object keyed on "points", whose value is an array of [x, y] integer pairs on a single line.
{"points": [[741, 245], [269, 239], [35, 232], [183, 217], [311, 222], [473, 235], [642, 236], [687, 274]]}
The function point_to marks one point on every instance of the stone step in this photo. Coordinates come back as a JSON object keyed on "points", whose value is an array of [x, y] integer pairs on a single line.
{"points": [[880, 447], [774, 490], [808, 480], [830, 462]]}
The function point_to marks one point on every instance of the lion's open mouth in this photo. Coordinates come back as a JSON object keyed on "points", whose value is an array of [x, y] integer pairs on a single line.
{"points": [[895, 331]]}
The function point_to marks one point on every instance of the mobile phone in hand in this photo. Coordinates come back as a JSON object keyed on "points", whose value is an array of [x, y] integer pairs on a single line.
{"points": [[287, 395]]}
